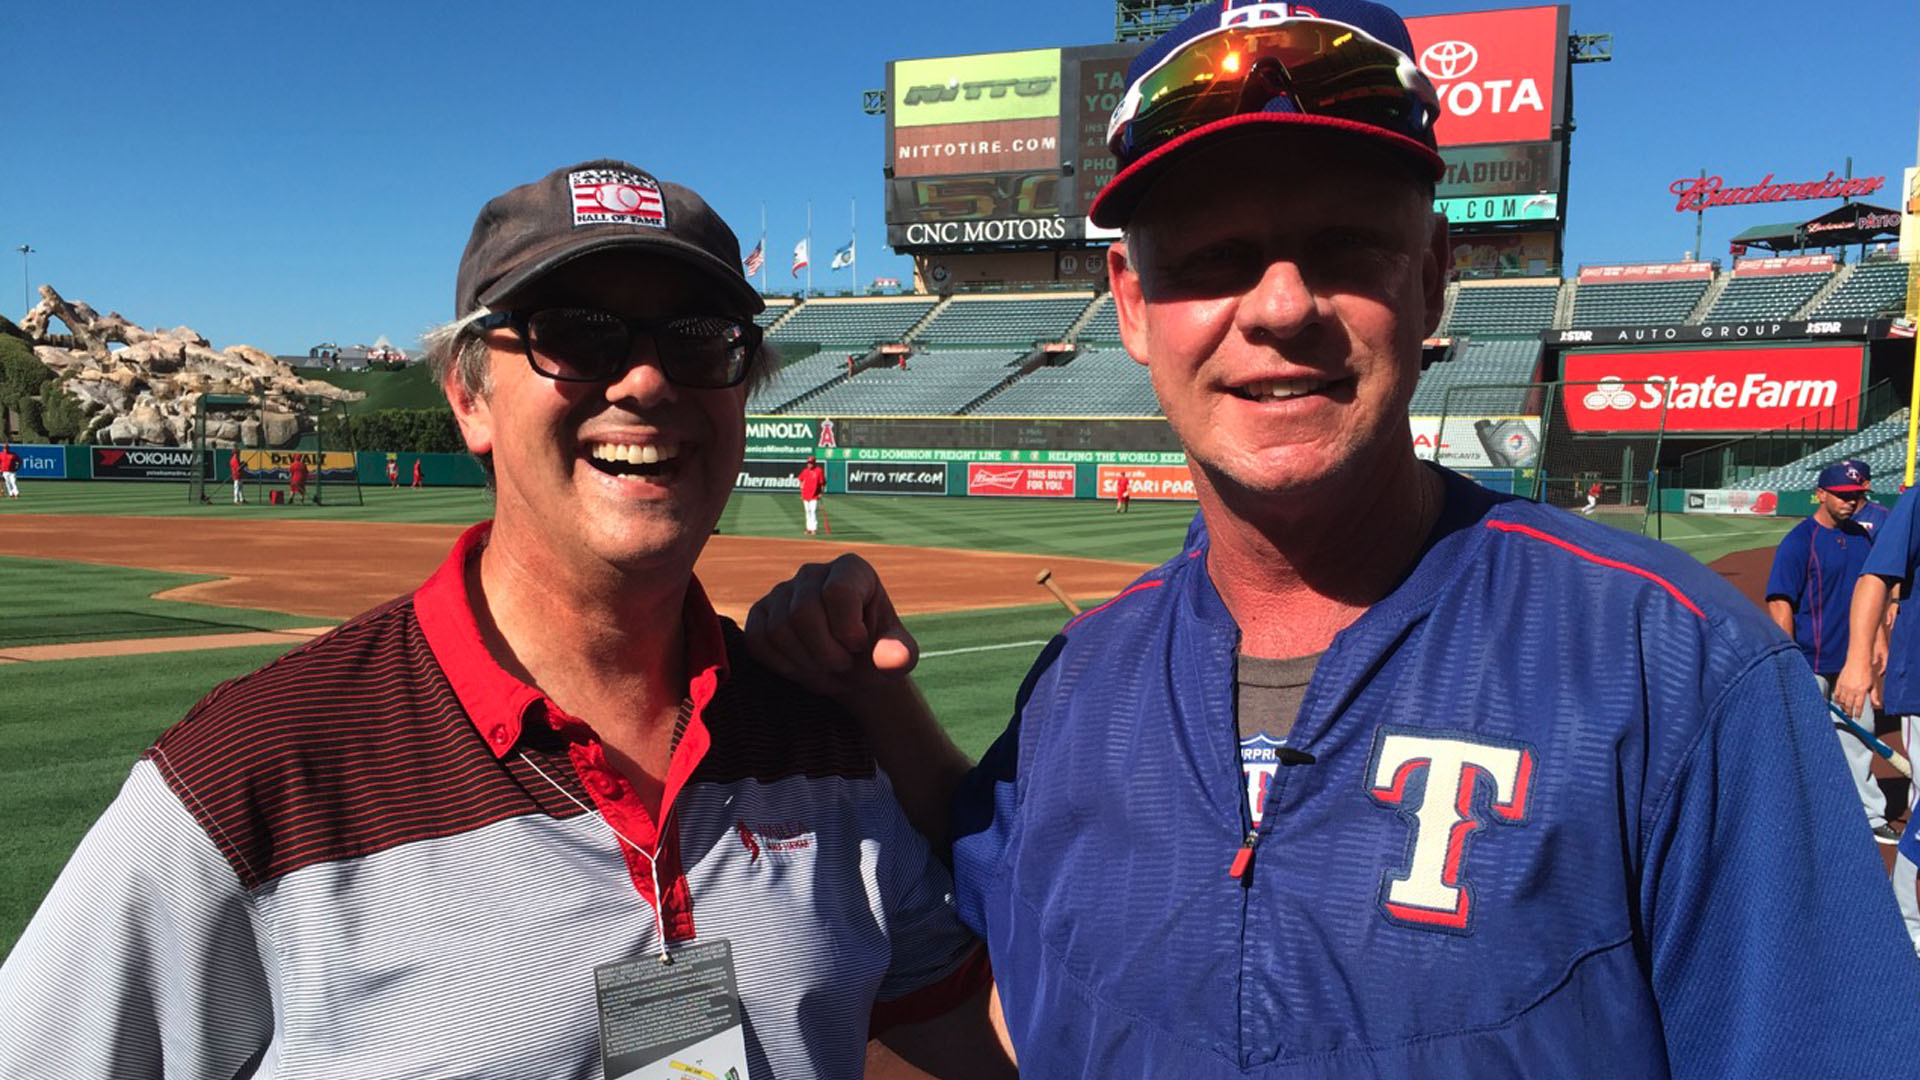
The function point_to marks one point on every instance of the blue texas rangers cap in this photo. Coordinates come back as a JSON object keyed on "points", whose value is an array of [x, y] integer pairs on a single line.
{"points": [[1234, 65], [1866, 470], [1842, 479]]}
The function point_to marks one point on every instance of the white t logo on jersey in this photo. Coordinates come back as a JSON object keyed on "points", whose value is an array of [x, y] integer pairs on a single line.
{"points": [[1429, 891]]}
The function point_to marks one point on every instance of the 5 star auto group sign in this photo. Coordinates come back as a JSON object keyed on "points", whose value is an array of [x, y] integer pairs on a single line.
{"points": [[1499, 74]]}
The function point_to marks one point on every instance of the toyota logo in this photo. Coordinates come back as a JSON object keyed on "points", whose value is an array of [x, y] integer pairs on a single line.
{"points": [[1448, 60]]}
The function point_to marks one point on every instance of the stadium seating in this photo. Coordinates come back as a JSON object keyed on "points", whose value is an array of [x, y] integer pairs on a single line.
{"points": [[1637, 303], [934, 384], [853, 323], [1497, 308], [1883, 446], [1098, 382], [1020, 320], [795, 379], [1873, 289], [1773, 296], [1103, 326], [1480, 361], [776, 307]]}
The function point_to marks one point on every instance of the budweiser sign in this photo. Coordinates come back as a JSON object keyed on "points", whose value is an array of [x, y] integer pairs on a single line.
{"points": [[1712, 389], [1704, 192]]}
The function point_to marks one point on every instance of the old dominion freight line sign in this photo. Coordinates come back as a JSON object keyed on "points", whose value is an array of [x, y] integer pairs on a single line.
{"points": [[1003, 439]]}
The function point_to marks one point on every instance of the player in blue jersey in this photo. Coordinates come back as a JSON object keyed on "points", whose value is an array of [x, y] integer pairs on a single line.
{"points": [[1871, 515], [1555, 799], [1809, 595]]}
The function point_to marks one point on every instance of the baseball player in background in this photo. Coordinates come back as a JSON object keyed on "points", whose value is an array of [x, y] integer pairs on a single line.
{"points": [[237, 471], [813, 480], [393, 472], [10, 470], [1809, 595], [1547, 798], [1122, 493], [460, 833], [1871, 515], [297, 479], [417, 481], [1593, 499]]}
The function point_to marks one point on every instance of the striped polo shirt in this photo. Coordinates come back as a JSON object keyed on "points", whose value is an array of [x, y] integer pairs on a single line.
{"points": [[382, 854]]}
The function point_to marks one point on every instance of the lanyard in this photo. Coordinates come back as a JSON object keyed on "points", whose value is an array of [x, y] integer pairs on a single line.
{"points": [[652, 857]]}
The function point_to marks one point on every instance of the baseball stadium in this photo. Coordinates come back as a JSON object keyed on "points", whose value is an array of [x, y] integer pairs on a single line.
{"points": [[187, 514]]}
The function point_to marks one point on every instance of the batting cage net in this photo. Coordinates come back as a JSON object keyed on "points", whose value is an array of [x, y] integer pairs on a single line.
{"points": [[294, 455], [1591, 447]]}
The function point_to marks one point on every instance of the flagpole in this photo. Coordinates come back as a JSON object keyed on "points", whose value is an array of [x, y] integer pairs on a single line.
{"points": [[809, 247], [853, 241], [763, 247]]}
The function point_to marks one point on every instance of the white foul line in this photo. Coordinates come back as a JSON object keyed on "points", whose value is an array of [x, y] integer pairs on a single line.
{"points": [[981, 648]]}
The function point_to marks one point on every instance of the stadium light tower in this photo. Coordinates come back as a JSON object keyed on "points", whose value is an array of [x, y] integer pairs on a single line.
{"points": [[25, 252]]}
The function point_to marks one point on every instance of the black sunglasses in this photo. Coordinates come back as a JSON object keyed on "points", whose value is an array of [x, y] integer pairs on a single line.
{"points": [[703, 352]]}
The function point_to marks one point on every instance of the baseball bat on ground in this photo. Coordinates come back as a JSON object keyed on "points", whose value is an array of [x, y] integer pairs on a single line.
{"points": [[1899, 762], [1045, 577]]}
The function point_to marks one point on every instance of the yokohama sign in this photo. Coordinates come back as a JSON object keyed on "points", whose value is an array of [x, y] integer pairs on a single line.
{"points": [[1703, 390], [1037, 481], [1496, 72]]}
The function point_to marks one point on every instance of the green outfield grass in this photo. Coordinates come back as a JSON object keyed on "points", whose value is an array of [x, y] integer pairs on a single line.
{"points": [[69, 730]]}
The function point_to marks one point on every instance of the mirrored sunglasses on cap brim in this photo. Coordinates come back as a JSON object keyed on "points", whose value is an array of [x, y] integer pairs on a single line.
{"points": [[1321, 68]]}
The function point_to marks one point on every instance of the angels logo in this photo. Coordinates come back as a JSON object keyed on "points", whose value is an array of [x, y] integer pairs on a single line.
{"points": [[827, 437], [616, 197]]}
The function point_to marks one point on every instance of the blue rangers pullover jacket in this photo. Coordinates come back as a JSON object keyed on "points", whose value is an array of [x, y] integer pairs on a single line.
{"points": [[1569, 806]]}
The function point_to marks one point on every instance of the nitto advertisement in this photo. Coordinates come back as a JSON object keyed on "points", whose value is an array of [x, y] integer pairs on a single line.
{"points": [[1499, 73], [902, 478], [142, 463], [769, 475], [1487, 442], [973, 89], [1713, 390], [1147, 481], [1039, 481]]}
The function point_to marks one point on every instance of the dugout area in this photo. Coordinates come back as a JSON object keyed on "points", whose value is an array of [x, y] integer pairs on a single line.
{"points": [[269, 441]]}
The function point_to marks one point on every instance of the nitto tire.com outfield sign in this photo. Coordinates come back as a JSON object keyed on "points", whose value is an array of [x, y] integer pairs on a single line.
{"points": [[897, 478], [142, 463]]}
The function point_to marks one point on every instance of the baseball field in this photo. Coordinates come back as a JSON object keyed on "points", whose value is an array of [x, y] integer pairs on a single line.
{"points": [[122, 604]]}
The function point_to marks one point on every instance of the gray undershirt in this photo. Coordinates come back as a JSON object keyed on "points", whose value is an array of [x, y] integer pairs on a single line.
{"points": [[1269, 693]]}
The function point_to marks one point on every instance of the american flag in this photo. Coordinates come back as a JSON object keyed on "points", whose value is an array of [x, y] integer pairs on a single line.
{"points": [[756, 258]]}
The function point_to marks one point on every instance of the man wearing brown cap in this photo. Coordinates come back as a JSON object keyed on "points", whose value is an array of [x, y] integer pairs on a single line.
{"points": [[1442, 784], [542, 817]]}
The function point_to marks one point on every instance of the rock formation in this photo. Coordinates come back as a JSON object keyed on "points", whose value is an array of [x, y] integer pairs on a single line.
{"points": [[146, 391]]}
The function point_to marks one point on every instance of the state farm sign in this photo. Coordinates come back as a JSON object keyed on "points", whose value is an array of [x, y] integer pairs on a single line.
{"points": [[1496, 72], [1718, 390]]}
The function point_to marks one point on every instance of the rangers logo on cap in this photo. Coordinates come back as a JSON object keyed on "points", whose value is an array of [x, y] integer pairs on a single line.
{"points": [[1232, 14], [616, 197]]}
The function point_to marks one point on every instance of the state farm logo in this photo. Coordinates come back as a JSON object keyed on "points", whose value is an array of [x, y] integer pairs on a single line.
{"points": [[1449, 60], [1610, 394]]}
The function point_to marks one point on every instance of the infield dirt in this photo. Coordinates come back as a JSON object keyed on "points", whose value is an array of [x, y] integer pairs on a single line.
{"points": [[338, 569]]}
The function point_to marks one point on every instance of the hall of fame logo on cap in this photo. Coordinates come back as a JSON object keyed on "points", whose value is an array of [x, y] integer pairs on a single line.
{"points": [[616, 197]]}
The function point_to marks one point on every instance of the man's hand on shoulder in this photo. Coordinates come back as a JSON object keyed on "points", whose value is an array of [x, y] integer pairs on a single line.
{"points": [[832, 629]]}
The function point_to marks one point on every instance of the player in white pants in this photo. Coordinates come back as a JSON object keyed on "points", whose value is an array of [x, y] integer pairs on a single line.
{"points": [[10, 470]]}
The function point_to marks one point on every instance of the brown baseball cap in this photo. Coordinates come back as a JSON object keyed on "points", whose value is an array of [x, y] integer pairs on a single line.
{"points": [[594, 206]]}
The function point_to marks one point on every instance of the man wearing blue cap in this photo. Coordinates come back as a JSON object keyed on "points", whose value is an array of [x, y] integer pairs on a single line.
{"points": [[1809, 595], [1448, 784]]}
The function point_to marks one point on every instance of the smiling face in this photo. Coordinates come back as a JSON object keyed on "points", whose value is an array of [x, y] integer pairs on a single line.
{"points": [[1278, 287], [630, 474]]}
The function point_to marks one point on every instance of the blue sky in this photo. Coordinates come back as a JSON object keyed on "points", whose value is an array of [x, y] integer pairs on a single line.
{"points": [[280, 175]]}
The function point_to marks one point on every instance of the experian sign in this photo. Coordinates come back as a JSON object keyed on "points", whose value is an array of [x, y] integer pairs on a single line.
{"points": [[1713, 390]]}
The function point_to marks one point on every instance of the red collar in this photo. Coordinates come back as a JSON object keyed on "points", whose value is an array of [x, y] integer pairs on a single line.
{"points": [[498, 702]]}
